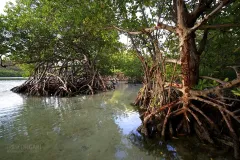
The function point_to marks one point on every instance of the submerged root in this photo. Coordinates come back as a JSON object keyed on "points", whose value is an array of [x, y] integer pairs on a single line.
{"points": [[203, 121], [215, 120]]}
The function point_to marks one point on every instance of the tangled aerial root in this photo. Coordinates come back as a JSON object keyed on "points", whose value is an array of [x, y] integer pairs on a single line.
{"points": [[212, 115], [67, 78], [53, 85]]}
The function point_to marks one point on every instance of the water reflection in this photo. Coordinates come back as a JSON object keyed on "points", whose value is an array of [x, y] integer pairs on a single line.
{"points": [[82, 127], [101, 126], [10, 107], [127, 121]]}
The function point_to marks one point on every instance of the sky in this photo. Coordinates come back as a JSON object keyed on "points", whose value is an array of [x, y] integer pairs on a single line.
{"points": [[124, 39], [3, 3]]}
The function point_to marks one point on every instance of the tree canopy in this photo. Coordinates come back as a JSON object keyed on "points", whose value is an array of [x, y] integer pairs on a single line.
{"points": [[64, 39]]}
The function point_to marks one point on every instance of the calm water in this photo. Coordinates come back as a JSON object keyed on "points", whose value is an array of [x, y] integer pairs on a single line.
{"points": [[101, 126]]}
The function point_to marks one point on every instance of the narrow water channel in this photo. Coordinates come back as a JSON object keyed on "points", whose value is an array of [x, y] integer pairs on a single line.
{"points": [[98, 127]]}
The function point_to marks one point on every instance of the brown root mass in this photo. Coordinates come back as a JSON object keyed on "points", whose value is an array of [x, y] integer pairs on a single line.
{"points": [[64, 79], [212, 114], [53, 85]]}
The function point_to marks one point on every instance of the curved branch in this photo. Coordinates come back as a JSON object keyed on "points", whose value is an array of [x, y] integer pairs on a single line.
{"points": [[214, 79], [215, 89], [205, 19], [217, 26], [148, 30], [217, 106], [202, 6]]}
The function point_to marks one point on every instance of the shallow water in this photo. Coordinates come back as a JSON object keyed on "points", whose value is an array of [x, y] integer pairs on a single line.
{"points": [[102, 126]]}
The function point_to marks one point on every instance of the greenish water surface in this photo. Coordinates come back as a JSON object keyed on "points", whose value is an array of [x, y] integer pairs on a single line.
{"points": [[94, 127]]}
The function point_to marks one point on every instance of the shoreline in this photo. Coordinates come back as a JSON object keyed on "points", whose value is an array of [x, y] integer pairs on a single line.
{"points": [[13, 78]]}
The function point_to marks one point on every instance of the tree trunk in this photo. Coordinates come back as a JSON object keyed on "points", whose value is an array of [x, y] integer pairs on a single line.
{"points": [[189, 56], [190, 60]]}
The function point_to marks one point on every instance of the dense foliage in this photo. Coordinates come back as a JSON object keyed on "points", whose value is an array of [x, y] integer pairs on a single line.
{"points": [[125, 62], [46, 31], [10, 73], [51, 31]]}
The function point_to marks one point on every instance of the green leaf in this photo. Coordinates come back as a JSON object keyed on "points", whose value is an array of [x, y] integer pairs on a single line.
{"points": [[236, 92], [226, 79]]}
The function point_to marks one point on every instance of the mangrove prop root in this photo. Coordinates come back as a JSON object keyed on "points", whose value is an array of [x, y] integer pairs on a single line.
{"points": [[63, 80], [210, 117]]}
